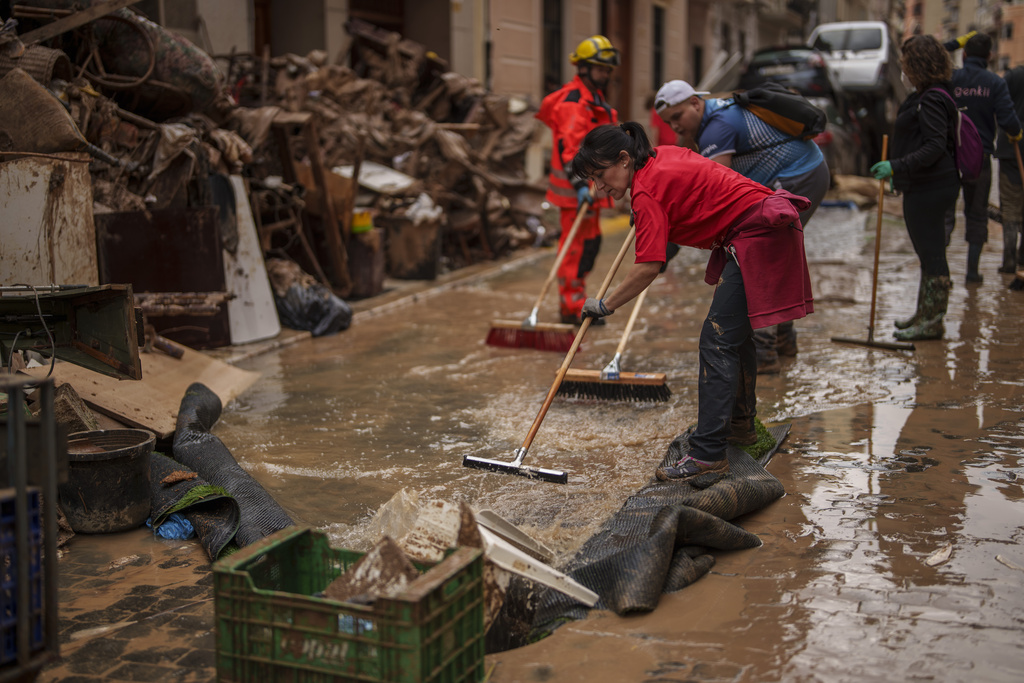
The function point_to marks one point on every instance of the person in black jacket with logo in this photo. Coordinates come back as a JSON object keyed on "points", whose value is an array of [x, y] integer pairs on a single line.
{"points": [[984, 97], [921, 166]]}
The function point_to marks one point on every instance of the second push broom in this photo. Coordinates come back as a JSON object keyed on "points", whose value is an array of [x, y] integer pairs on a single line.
{"points": [[871, 341], [516, 466], [529, 333], [611, 383]]}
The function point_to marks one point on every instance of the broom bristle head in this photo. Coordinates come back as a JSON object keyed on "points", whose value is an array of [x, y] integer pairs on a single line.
{"points": [[554, 341], [608, 390], [540, 338]]}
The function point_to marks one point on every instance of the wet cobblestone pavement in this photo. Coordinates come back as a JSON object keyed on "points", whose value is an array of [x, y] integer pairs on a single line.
{"points": [[147, 616]]}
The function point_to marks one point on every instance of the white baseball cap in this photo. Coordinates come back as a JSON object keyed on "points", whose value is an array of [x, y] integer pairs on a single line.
{"points": [[674, 92]]}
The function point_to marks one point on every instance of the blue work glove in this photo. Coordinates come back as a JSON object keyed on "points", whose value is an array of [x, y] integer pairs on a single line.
{"points": [[595, 308], [882, 170], [583, 196]]}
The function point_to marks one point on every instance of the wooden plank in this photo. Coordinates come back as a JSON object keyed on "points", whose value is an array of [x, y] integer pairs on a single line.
{"points": [[335, 240], [74, 21], [336, 249], [153, 402]]}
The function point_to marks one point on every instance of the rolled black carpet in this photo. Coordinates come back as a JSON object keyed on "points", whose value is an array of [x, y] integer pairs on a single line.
{"points": [[195, 447], [211, 510], [656, 543]]}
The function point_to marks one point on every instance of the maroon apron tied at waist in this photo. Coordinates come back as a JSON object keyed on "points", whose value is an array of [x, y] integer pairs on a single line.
{"points": [[768, 244]]}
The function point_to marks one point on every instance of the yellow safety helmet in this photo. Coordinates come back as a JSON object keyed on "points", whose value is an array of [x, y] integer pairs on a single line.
{"points": [[596, 50]]}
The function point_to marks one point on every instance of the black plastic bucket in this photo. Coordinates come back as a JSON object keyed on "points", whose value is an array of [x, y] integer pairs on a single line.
{"points": [[108, 480]]}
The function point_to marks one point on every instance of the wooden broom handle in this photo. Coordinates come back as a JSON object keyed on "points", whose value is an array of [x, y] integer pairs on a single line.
{"points": [[878, 243], [561, 254], [632, 319], [576, 343]]}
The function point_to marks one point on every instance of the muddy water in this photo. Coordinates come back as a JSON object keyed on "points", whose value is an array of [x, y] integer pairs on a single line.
{"points": [[894, 458], [336, 426]]}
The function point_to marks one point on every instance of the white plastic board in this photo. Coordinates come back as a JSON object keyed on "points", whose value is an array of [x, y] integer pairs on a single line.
{"points": [[252, 315]]}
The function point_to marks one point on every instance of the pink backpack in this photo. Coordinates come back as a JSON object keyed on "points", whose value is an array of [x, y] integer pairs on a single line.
{"points": [[969, 153]]}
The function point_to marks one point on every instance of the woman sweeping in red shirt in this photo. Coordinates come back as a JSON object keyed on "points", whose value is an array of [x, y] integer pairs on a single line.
{"points": [[757, 263]]}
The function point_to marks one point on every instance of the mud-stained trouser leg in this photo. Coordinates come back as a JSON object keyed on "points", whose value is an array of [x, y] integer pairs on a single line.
{"points": [[1011, 232], [578, 261], [1011, 203], [726, 354], [976, 204], [742, 428]]}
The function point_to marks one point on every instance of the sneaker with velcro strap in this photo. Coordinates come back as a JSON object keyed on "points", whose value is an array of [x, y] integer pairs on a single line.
{"points": [[689, 467]]}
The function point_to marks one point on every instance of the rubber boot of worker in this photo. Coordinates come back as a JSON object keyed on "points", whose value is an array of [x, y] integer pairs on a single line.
{"points": [[934, 300], [1011, 231], [767, 355], [973, 257], [916, 318], [785, 339]]}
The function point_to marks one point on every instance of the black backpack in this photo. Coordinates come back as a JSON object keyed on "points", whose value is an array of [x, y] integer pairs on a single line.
{"points": [[784, 110]]}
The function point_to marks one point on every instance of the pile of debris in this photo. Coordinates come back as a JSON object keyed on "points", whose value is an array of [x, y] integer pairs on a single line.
{"points": [[298, 129]]}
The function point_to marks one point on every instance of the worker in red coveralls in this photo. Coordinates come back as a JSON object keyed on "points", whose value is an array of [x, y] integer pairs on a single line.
{"points": [[571, 112]]}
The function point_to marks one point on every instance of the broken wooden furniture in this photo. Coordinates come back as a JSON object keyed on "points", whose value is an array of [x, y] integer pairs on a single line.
{"points": [[286, 127], [276, 212]]}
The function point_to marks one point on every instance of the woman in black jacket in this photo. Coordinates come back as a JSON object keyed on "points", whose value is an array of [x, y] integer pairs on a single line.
{"points": [[923, 169]]}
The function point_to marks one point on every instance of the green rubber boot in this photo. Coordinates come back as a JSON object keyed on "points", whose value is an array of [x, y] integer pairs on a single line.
{"points": [[914, 319], [935, 299]]}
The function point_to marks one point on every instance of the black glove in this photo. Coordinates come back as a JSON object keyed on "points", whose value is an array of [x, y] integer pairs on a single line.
{"points": [[595, 308], [670, 253]]}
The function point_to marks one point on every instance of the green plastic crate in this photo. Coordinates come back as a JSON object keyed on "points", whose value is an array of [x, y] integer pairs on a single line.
{"points": [[271, 627]]}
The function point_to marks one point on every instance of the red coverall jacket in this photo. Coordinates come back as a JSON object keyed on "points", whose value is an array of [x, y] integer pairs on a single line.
{"points": [[571, 112]]}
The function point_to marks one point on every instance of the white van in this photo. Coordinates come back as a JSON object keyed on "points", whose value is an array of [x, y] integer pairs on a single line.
{"points": [[860, 53]]}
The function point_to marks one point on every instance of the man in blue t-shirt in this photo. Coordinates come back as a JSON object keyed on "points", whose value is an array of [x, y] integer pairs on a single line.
{"points": [[733, 136]]}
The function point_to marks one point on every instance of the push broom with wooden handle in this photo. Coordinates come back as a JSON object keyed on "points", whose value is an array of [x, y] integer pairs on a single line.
{"points": [[611, 384], [530, 334], [870, 341], [516, 466]]}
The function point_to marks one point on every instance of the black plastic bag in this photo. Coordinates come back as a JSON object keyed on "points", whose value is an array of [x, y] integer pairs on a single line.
{"points": [[305, 304]]}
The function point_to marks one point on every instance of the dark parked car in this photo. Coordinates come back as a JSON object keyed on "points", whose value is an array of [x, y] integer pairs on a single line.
{"points": [[799, 68]]}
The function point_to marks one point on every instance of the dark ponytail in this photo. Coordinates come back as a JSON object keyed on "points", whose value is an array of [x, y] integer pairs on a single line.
{"points": [[601, 147]]}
